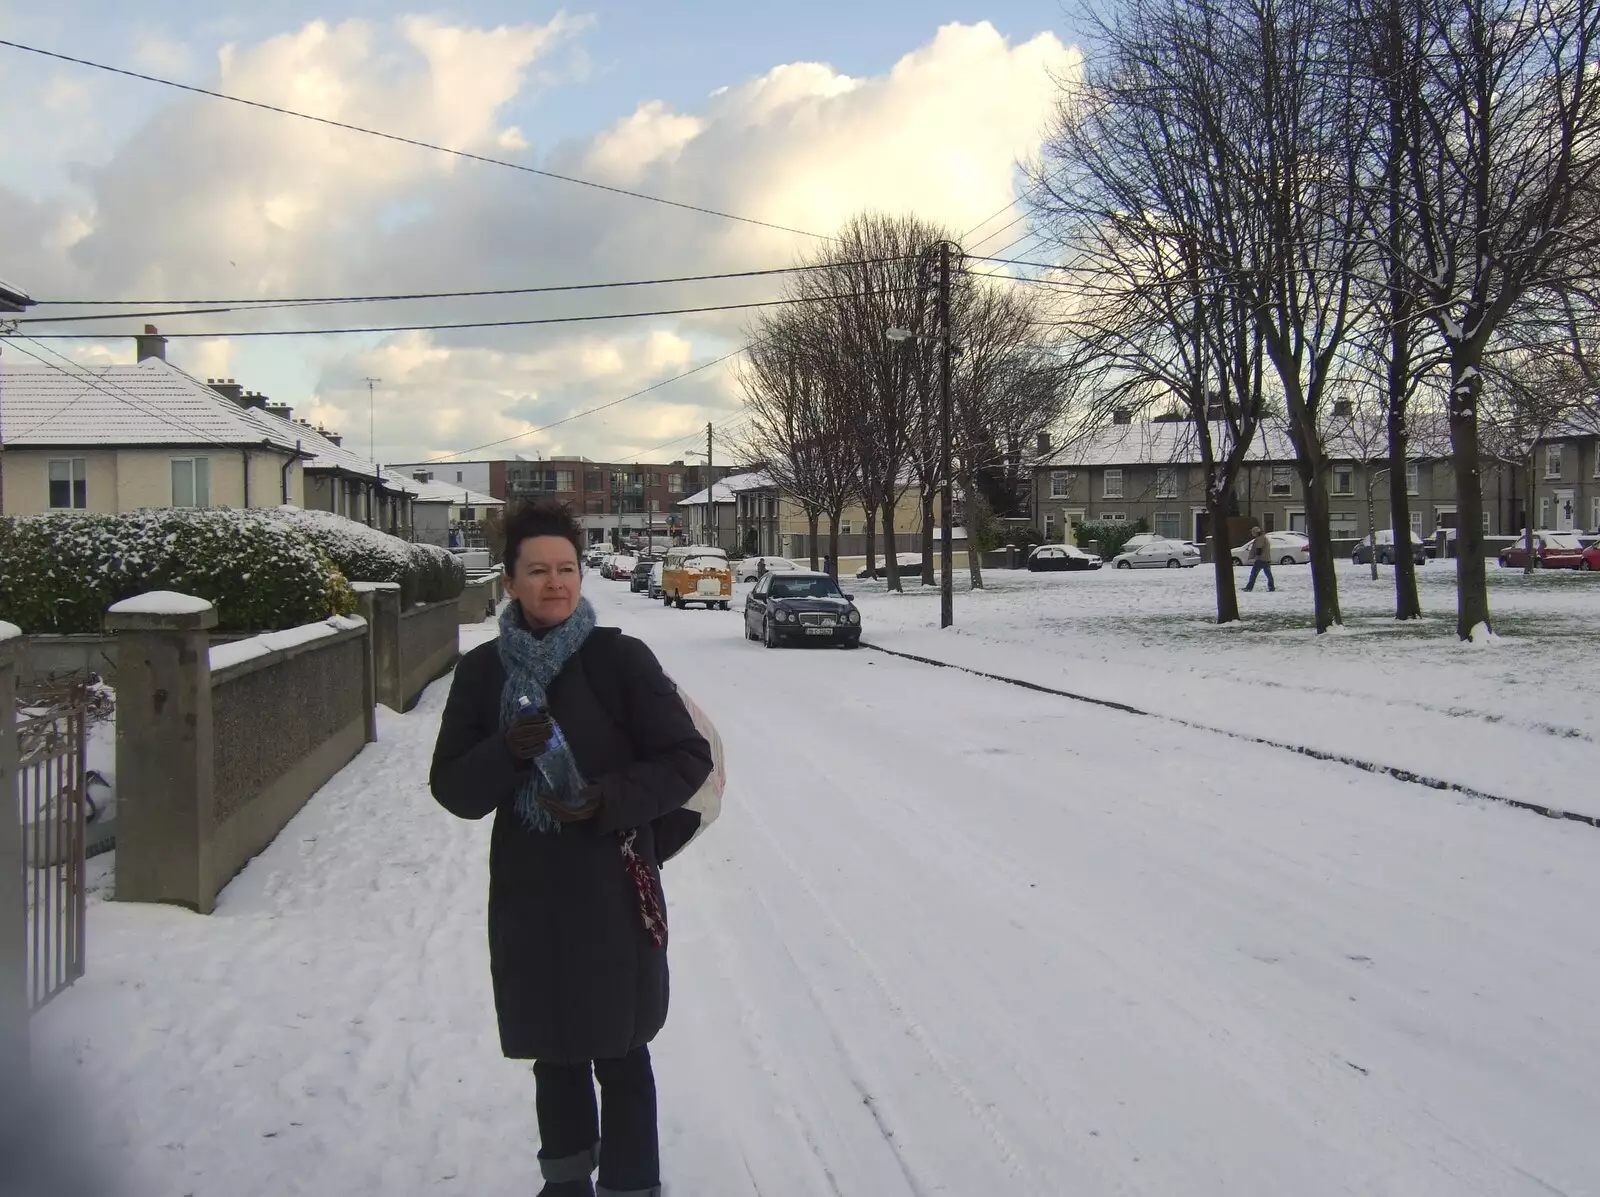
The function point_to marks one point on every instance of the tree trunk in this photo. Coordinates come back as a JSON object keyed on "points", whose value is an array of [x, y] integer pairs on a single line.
{"points": [[1406, 603], [833, 542], [891, 548], [1222, 558], [1324, 578], [974, 550], [1530, 564], [1372, 527], [813, 518], [872, 540], [928, 578], [1472, 578]]}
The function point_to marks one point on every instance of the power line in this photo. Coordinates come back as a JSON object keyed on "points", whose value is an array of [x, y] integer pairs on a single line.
{"points": [[307, 301], [1001, 211], [411, 141], [392, 328], [589, 412], [1001, 229]]}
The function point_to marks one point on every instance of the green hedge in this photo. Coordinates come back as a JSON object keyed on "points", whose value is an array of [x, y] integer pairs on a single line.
{"points": [[59, 572], [1111, 535], [426, 573]]}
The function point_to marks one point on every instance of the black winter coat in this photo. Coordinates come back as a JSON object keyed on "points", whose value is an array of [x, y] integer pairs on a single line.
{"points": [[576, 974]]}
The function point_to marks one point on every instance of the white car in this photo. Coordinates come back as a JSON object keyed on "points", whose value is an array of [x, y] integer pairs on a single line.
{"points": [[1139, 539], [750, 567], [1158, 554], [1288, 548], [656, 572]]}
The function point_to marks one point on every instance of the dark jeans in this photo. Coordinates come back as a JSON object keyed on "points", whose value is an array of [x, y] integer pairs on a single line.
{"points": [[1261, 566], [624, 1125]]}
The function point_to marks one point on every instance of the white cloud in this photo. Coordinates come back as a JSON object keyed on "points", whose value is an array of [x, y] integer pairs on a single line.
{"points": [[211, 199]]}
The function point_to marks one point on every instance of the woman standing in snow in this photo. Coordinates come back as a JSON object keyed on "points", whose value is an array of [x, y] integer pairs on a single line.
{"points": [[576, 740]]}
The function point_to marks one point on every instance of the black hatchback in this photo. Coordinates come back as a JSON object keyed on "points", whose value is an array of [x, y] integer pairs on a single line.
{"points": [[801, 608], [639, 580]]}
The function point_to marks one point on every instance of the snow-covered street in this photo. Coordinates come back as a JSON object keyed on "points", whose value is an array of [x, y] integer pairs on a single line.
{"points": [[949, 936]]}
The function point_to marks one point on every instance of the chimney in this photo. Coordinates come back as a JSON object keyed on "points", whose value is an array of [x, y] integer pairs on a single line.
{"points": [[332, 437], [151, 344], [1214, 411], [254, 399], [1122, 416], [1044, 443], [282, 410], [1343, 409], [229, 390], [421, 476]]}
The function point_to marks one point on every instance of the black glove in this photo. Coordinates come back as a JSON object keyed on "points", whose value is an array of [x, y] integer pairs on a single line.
{"points": [[592, 798], [529, 735]]}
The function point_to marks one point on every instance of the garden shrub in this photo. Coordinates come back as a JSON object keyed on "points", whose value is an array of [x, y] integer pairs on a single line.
{"points": [[425, 573], [1110, 535], [59, 572]]}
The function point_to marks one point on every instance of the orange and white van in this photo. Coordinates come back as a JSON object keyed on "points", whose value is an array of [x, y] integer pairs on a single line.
{"points": [[697, 574]]}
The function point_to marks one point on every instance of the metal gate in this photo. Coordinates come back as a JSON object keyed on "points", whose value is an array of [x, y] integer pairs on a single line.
{"points": [[51, 805]]}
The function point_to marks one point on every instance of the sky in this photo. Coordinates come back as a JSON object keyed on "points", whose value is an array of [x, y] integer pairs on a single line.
{"points": [[797, 115]]}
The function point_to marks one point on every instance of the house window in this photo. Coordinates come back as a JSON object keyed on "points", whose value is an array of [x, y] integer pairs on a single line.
{"points": [[1116, 517], [675, 483], [458, 475], [1166, 482], [594, 481], [191, 482], [1486, 523], [1168, 524], [1282, 481], [1113, 485], [1342, 525], [468, 516], [1544, 512], [1413, 478], [1344, 480], [844, 527], [1061, 484], [1267, 522], [1594, 513], [1416, 521], [1552, 461], [69, 483], [1049, 525], [655, 506]]}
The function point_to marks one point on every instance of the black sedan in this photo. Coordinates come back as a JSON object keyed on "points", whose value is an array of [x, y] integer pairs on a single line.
{"points": [[801, 608], [639, 581], [1054, 557]]}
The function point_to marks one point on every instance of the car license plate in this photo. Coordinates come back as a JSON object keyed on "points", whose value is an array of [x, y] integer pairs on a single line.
{"points": [[819, 631], [709, 586]]}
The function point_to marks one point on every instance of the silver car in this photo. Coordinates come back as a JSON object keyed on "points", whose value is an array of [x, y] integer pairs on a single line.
{"points": [[1158, 554]]}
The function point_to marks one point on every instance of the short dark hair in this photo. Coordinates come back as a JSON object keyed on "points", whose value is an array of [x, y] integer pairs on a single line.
{"points": [[542, 517]]}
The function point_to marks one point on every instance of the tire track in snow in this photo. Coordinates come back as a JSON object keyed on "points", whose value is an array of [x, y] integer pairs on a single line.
{"points": [[1338, 758]]}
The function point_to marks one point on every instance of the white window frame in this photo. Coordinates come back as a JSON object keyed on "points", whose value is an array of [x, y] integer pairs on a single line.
{"points": [[1049, 525], [1061, 483], [1115, 517], [1166, 482], [199, 480], [77, 476], [675, 484], [1552, 461], [1349, 473], [1105, 484], [844, 528], [1486, 522], [1290, 514], [1346, 520], [1544, 511], [1413, 478], [1594, 514], [1274, 487], [1416, 522]]}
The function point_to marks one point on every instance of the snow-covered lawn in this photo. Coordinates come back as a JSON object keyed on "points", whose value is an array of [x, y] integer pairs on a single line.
{"points": [[1519, 718], [948, 937]]}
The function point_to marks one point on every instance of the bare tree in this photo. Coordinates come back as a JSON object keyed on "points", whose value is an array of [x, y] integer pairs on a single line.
{"points": [[1502, 115]]}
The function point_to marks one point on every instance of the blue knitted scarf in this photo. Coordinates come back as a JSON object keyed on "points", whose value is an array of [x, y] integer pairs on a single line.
{"points": [[531, 664]]}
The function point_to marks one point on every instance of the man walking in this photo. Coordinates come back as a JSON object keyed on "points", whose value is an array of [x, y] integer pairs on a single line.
{"points": [[1260, 560]]}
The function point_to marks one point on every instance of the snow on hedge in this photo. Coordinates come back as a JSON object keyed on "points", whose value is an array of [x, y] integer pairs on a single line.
{"points": [[426, 573], [60, 572]]}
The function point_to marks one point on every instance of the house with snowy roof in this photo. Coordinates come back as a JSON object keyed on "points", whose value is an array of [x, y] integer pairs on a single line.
{"points": [[121, 437], [754, 512], [439, 507], [1150, 470]]}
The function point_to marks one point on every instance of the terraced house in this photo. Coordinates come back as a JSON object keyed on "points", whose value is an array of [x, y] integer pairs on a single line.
{"points": [[1151, 471]]}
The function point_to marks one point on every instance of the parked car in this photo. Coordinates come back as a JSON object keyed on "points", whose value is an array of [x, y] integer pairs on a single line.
{"points": [[1054, 557], [1362, 554], [697, 574], [621, 568], [1139, 539], [751, 566], [656, 571], [1288, 548], [1551, 550], [596, 558], [908, 563], [1158, 554], [639, 582], [800, 606]]}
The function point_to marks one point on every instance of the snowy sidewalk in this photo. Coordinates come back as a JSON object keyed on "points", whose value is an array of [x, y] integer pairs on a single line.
{"points": [[948, 937]]}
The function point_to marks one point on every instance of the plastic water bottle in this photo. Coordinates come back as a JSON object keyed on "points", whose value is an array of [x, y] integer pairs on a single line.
{"points": [[557, 738]]}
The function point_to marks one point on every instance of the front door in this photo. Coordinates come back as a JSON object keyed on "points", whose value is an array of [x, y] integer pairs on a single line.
{"points": [[1564, 511], [1297, 522]]}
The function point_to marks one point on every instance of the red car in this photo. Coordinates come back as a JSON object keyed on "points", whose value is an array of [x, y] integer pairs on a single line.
{"points": [[1551, 550], [1591, 557]]}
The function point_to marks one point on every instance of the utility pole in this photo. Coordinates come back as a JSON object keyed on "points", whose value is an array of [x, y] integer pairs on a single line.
{"points": [[711, 492], [946, 531], [372, 419]]}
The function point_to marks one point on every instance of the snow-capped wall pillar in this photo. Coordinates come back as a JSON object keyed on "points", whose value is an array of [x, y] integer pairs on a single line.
{"points": [[13, 895], [367, 608], [164, 749], [384, 620]]}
